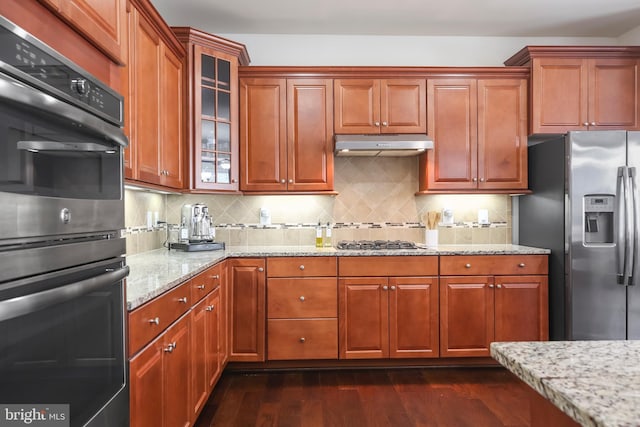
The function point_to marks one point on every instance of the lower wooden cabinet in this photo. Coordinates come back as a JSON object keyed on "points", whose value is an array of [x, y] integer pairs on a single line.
{"points": [[160, 379]]}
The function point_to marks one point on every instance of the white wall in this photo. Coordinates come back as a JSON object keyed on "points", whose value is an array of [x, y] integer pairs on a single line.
{"points": [[631, 37], [271, 49]]}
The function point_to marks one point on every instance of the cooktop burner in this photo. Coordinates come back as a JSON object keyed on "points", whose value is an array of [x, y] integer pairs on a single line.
{"points": [[375, 244]]}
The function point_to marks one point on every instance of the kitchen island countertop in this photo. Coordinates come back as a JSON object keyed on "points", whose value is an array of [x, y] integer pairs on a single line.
{"points": [[157, 271], [596, 383]]}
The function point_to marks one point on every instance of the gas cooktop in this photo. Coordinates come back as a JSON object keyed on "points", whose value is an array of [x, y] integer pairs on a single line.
{"points": [[375, 244]]}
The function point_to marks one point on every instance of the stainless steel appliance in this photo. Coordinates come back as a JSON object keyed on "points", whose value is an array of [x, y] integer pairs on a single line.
{"points": [[62, 265], [584, 207], [197, 232], [375, 245]]}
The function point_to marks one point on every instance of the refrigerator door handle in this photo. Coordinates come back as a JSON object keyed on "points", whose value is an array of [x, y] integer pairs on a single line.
{"points": [[621, 237], [635, 210]]}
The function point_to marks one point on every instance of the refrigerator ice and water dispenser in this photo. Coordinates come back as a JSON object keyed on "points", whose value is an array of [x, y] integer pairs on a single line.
{"points": [[598, 219]]}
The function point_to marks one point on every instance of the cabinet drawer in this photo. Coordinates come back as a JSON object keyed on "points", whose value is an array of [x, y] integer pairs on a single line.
{"points": [[311, 297], [147, 321], [204, 283], [388, 266], [295, 339], [463, 265], [301, 266]]}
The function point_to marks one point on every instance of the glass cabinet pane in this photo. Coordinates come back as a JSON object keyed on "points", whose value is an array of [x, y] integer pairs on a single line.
{"points": [[224, 106], [224, 137], [207, 171], [224, 168], [208, 135], [208, 102], [224, 74], [208, 67]]}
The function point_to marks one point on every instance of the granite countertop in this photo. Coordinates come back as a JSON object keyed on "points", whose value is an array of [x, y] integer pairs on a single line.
{"points": [[596, 383], [157, 271]]}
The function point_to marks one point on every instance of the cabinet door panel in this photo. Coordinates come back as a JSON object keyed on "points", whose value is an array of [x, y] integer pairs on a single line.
{"points": [[403, 105], [171, 95], [212, 345], [248, 310], [466, 316], [177, 379], [363, 319], [263, 134], [559, 95], [521, 308], [147, 386], [502, 138], [614, 89], [304, 297], [357, 106], [413, 317], [199, 383], [310, 134], [452, 123]]}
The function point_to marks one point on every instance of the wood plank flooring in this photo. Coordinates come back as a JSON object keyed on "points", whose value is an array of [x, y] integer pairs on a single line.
{"points": [[429, 397]]}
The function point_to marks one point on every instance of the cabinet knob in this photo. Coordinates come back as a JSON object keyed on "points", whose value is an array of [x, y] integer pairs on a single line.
{"points": [[201, 287], [481, 179], [385, 287], [593, 123], [301, 267], [282, 181], [385, 124], [170, 347], [491, 285], [377, 124], [260, 269], [474, 179], [521, 265], [302, 340], [233, 181], [290, 181], [215, 277], [210, 307], [393, 287], [301, 298], [585, 124], [155, 321], [498, 286], [182, 300], [467, 266]]}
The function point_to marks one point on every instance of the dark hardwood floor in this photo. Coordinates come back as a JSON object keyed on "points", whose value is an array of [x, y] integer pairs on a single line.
{"points": [[433, 397]]}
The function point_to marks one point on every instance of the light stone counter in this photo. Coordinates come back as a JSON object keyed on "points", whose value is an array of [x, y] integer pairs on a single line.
{"points": [[155, 272], [596, 383]]}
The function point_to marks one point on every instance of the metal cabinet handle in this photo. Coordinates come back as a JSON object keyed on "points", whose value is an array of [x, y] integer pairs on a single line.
{"points": [[302, 340], [290, 181], [182, 300], [385, 287], [210, 307], [155, 321], [491, 285], [481, 179], [170, 347], [215, 276], [585, 124], [377, 124], [201, 287], [301, 267], [385, 124], [521, 265], [393, 287], [593, 123], [282, 181], [474, 179], [301, 298], [467, 266], [260, 269], [498, 286]]}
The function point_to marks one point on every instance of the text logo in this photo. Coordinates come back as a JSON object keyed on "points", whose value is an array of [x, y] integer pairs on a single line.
{"points": [[38, 415]]}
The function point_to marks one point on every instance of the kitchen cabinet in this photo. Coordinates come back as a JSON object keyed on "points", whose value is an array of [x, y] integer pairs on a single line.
{"points": [[479, 132], [160, 379], [248, 294], [286, 138], [491, 298], [582, 88], [372, 106], [154, 103], [103, 22], [212, 108], [302, 309], [395, 315]]}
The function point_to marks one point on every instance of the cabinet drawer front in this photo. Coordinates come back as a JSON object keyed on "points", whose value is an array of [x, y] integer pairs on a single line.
{"points": [[149, 320], [388, 266], [204, 283], [301, 266], [312, 297], [297, 339], [463, 265]]}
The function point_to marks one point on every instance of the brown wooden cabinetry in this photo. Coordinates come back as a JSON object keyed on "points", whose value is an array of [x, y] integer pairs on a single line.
{"points": [[479, 132], [491, 298], [153, 100], [395, 316], [211, 106], [247, 288], [286, 138], [302, 308], [373, 106], [582, 88]]}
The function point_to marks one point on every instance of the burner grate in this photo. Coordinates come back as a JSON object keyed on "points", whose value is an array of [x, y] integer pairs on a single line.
{"points": [[375, 244]]}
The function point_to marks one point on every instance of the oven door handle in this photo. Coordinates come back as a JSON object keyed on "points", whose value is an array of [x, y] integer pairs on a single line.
{"points": [[19, 306]]}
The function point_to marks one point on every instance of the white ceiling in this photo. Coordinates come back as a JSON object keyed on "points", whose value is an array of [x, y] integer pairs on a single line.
{"points": [[507, 18]]}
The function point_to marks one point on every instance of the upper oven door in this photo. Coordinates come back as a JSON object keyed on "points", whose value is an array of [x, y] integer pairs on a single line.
{"points": [[60, 167]]}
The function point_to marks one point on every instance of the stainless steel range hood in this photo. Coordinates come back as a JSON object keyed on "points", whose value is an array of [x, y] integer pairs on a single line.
{"points": [[382, 145]]}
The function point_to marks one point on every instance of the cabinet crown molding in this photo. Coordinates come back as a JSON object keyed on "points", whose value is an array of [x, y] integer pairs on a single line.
{"points": [[193, 35], [524, 55]]}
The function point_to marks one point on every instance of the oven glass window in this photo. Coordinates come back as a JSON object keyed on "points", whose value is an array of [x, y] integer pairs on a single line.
{"points": [[71, 353], [39, 156]]}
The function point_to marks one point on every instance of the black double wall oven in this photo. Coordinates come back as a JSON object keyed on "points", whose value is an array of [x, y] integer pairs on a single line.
{"points": [[62, 264]]}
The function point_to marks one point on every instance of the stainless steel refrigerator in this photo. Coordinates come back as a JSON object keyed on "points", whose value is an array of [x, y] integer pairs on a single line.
{"points": [[585, 208]]}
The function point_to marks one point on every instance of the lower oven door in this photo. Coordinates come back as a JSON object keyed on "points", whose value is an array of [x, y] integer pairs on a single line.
{"points": [[62, 342]]}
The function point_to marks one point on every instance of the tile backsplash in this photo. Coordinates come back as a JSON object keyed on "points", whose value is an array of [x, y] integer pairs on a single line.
{"points": [[376, 200]]}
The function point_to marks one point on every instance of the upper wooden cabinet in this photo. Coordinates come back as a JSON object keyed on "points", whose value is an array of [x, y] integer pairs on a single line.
{"points": [[373, 106], [286, 135], [103, 22], [479, 132], [154, 116], [212, 108], [582, 88]]}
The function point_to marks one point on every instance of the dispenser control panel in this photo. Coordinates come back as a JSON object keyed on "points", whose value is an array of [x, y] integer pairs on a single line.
{"points": [[598, 219]]}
